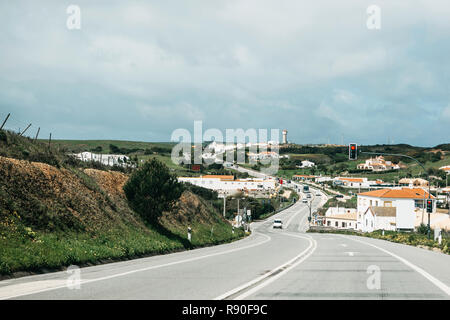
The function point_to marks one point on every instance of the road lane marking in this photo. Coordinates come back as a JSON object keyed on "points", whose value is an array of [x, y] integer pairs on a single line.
{"points": [[32, 284], [294, 215], [262, 281], [428, 276]]}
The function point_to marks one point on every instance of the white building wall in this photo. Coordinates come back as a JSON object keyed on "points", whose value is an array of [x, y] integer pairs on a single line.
{"points": [[218, 184], [368, 222], [340, 223], [385, 223], [405, 213]]}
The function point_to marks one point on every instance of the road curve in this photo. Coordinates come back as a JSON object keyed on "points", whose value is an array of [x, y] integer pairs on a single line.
{"points": [[270, 264]]}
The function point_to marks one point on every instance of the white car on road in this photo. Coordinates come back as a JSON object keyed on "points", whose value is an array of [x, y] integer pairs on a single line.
{"points": [[305, 200], [277, 223]]}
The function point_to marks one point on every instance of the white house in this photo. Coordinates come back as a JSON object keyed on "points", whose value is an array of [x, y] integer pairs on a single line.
{"points": [[405, 200], [419, 182], [446, 169], [307, 164], [263, 155], [106, 159], [340, 218], [379, 218], [378, 164], [226, 184], [363, 183]]}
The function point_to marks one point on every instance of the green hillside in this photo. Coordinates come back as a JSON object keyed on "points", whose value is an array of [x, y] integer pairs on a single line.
{"points": [[55, 212]]}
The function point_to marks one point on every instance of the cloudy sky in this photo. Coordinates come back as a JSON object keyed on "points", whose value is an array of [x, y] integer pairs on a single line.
{"points": [[138, 70]]}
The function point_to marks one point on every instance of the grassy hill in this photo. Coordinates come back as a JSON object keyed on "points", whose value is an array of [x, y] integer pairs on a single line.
{"points": [[103, 146], [55, 212]]}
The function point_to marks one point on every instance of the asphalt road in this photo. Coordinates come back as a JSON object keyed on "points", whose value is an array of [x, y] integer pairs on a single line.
{"points": [[270, 264]]}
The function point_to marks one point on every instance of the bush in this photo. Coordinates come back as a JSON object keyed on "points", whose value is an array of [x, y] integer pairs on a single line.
{"points": [[422, 229], [206, 194], [3, 136], [152, 189]]}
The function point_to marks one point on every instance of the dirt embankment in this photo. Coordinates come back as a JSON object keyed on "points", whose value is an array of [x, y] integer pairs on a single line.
{"points": [[49, 198]]}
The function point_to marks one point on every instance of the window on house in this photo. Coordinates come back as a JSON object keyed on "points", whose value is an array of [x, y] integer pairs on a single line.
{"points": [[336, 224]]}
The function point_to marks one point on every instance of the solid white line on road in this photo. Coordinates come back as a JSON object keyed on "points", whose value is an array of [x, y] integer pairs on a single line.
{"points": [[22, 286], [428, 276], [284, 267], [288, 268]]}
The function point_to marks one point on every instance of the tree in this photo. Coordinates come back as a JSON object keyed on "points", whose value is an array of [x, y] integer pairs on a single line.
{"points": [[151, 190]]}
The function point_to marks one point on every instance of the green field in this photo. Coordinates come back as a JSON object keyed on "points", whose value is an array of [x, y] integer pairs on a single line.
{"points": [[88, 145]]}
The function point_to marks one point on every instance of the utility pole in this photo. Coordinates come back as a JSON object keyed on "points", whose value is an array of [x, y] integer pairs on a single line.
{"points": [[224, 204], [49, 140], [5, 121]]}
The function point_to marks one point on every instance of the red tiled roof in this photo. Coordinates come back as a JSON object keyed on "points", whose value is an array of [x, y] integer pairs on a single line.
{"points": [[221, 177], [352, 179], [404, 193]]}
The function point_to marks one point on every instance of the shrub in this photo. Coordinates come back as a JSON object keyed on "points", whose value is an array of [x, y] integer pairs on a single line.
{"points": [[152, 189], [206, 194], [422, 229], [3, 136]]}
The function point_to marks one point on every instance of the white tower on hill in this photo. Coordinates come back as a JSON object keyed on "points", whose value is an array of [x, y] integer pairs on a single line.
{"points": [[285, 136]]}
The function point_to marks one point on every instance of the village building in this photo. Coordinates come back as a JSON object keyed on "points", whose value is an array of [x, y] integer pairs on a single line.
{"points": [[340, 218], [413, 182], [446, 169], [227, 184], [303, 177], [307, 164], [406, 201], [378, 164], [379, 218]]}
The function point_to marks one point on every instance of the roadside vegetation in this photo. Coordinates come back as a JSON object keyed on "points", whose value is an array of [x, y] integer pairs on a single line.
{"points": [[56, 211]]}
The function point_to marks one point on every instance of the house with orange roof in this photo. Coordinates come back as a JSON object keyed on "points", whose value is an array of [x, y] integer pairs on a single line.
{"points": [[354, 182], [405, 200], [227, 184], [303, 177], [446, 169]]}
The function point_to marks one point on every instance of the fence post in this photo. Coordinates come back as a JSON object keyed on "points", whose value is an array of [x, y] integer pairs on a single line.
{"points": [[5, 121]]}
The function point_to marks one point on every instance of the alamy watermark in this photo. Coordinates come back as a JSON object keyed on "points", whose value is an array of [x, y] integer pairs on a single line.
{"points": [[236, 146], [374, 280], [73, 21], [74, 279], [374, 17]]}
